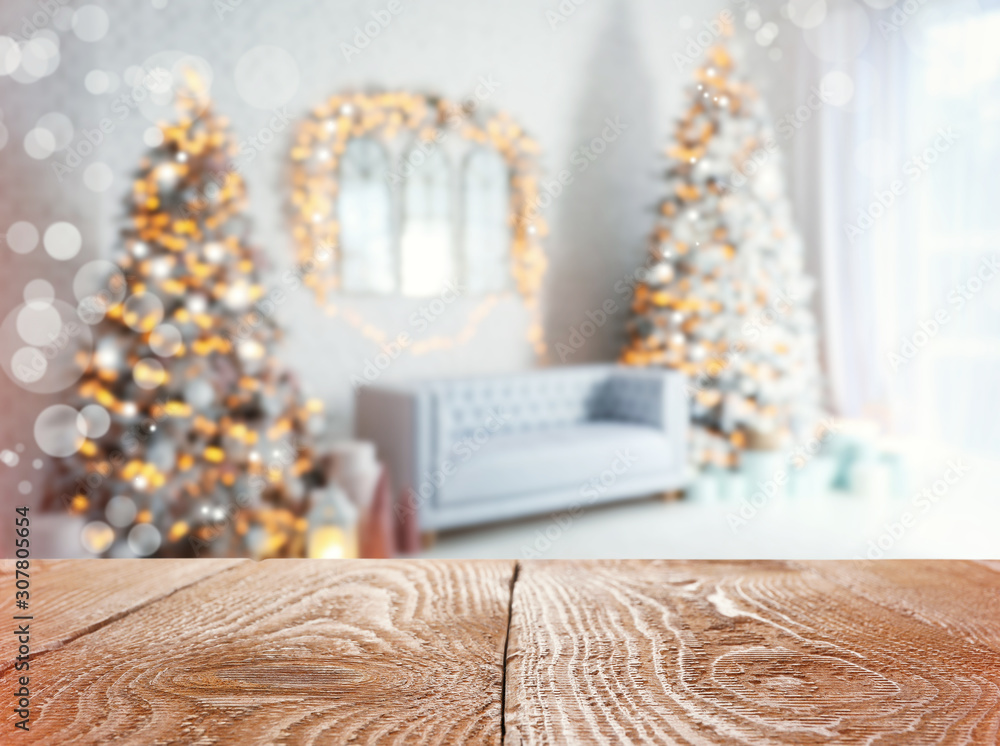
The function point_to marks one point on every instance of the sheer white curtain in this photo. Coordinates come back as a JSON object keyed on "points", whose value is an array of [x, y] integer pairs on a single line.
{"points": [[897, 192]]}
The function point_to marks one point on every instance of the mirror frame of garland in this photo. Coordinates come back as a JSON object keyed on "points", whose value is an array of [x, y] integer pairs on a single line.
{"points": [[403, 123]]}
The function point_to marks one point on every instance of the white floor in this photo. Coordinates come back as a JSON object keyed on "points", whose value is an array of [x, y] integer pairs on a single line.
{"points": [[963, 523]]}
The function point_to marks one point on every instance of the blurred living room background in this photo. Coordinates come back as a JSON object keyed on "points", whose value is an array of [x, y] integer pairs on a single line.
{"points": [[570, 278]]}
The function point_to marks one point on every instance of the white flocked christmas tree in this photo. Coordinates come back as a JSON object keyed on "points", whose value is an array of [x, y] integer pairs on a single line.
{"points": [[725, 297]]}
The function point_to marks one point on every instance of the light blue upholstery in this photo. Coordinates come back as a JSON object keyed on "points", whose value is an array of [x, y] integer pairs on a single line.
{"points": [[484, 449]]}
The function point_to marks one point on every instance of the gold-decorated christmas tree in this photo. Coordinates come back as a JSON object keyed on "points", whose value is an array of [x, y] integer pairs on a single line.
{"points": [[196, 441], [725, 298]]}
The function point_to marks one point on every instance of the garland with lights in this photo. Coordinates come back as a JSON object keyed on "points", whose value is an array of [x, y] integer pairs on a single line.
{"points": [[196, 441], [724, 296], [321, 142]]}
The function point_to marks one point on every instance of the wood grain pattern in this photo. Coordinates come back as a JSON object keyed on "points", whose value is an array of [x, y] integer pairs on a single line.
{"points": [[70, 598], [289, 652], [754, 652], [472, 652]]}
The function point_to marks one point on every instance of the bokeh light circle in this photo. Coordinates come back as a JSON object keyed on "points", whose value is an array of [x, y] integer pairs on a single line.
{"points": [[56, 431], [143, 311], [22, 237], [39, 292], [97, 537], [90, 23], [121, 511], [57, 350], [165, 340], [144, 539], [93, 421], [62, 240], [149, 373]]}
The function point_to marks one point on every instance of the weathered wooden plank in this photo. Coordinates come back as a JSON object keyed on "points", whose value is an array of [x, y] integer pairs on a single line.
{"points": [[290, 652], [71, 597], [754, 652]]}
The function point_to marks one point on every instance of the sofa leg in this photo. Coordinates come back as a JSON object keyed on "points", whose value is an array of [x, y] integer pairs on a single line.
{"points": [[428, 539], [671, 496]]}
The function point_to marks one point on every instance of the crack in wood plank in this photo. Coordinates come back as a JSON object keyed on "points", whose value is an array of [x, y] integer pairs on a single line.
{"points": [[506, 643]]}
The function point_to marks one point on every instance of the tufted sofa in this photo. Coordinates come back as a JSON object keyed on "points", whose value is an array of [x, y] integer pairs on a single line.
{"points": [[487, 449]]}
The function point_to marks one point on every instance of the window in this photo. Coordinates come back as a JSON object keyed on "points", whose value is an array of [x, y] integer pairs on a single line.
{"points": [[956, 87], [486, 222], [367, 263]]}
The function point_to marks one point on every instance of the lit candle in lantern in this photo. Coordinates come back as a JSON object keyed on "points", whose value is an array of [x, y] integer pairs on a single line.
{"points": [[333, 525]]}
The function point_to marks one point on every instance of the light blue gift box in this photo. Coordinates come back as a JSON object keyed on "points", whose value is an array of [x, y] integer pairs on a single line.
{"points": [[762, 467]]}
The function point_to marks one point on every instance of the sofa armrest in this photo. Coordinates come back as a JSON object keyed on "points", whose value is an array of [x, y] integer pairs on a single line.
{"points": [[398, 422], [650, 396]]}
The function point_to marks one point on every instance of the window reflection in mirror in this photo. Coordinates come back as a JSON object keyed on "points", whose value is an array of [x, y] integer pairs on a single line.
{"points": [[367, 263], [427, 242], [486, 222]]}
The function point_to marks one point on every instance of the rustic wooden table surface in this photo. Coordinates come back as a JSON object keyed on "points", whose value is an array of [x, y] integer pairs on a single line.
{"points": [[464, 652]]}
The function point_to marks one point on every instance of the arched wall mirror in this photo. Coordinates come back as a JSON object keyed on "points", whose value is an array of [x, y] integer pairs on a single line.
{"points": [[399, 194]]}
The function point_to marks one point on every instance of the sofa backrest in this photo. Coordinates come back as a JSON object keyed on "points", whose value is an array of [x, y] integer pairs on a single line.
{"points": [[536, 400]]}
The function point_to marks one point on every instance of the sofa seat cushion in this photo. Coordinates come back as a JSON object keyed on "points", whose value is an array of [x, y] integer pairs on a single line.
{"points": [[555, 458]]}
